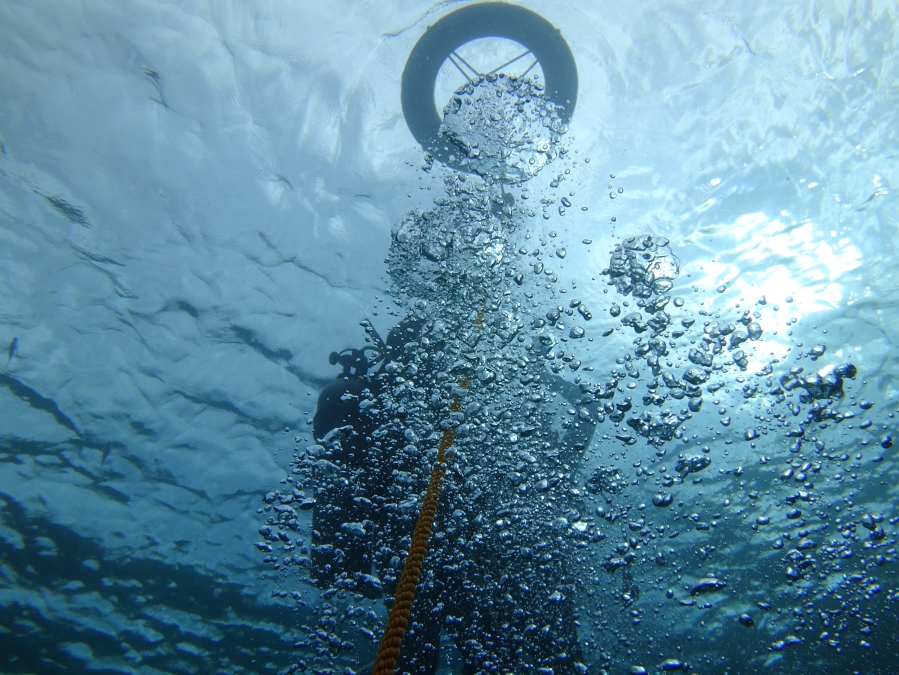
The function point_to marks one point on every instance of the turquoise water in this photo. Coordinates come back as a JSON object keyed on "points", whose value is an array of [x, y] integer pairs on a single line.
{"points": [[199, 202]]}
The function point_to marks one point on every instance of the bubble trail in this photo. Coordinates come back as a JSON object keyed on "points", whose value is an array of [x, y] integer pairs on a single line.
{"points": [[389, 651]]}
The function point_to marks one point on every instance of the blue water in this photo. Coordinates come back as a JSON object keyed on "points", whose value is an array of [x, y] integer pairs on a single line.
{"points": [[197, 205]]}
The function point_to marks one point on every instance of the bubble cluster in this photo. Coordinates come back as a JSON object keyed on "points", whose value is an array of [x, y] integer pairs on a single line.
{"points": [[458, 244], [645, 269], [501, 128]]}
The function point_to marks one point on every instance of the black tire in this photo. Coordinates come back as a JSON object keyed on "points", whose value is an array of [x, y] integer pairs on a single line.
{"points": [[491, 19]]}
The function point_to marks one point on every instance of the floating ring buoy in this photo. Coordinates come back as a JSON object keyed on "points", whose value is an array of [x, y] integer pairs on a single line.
{"points": [[490, 19]]}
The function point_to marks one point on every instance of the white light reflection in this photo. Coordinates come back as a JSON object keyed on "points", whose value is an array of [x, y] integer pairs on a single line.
{"points": [[759, 255], [779, 258]]}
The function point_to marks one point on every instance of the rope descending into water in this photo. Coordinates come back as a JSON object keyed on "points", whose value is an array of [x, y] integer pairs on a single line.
{"points": [[389, 651]]}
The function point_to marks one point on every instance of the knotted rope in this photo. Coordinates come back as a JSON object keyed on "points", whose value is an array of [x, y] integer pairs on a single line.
{"points": [[398, 619], [389, 651]]}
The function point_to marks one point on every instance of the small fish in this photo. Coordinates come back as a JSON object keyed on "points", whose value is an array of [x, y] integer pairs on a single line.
{"points": [[12, 350]]}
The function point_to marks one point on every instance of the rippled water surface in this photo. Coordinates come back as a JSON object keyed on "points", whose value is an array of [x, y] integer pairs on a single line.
{"points": [[199, 201]]}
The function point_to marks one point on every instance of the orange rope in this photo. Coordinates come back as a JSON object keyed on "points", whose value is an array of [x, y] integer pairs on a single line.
{"points": [[389, 651], [398, 619]]}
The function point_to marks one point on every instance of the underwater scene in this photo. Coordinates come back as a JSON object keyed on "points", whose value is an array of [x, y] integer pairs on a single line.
{"points": [[350, 338]]}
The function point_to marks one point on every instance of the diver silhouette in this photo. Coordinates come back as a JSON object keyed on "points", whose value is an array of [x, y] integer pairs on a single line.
{"points": [[505, 602]]}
